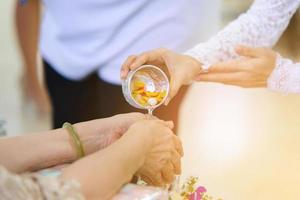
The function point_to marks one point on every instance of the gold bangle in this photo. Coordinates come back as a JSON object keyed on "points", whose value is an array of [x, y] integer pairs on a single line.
{"points": [[76, 140]]}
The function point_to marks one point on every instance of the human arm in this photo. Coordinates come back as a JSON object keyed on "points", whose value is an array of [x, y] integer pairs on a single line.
{"points": [[260, 67], [27, 21], [103, 173], [260, 26], [45, 149], [145, 149], [146, 145]]}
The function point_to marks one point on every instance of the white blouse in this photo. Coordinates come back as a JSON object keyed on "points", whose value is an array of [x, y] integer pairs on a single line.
{"points": [[260, 26]]}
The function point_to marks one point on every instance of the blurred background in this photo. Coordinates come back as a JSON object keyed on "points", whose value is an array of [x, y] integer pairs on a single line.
{"points": [[242, 143]]}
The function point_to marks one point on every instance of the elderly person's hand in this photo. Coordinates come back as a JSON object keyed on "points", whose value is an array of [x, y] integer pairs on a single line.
{"points": [[100, 133], [163, 151], [251, 71], [182, 69], [148, 148]]}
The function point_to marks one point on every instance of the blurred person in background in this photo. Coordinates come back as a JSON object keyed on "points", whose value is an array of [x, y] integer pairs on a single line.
{"points": [[238, 55], [83, 43]]}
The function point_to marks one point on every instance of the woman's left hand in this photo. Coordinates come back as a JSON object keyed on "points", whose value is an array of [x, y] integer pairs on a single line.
{"points": [[249, 72]]}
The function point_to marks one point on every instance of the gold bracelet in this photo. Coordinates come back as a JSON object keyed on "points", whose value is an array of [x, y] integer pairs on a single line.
{"points": [[76, 140]]}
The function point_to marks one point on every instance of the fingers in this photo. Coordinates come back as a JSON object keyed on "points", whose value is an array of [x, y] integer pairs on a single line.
{"points": [[251, 52], [240, 79], [140, 60], [170, 169], [153, 56], [151, 117], [178, 145], [176, 141], [168, 124], [168, 173], [157, 179], [153, 178], [126, 66], [222, 77], [133, 62], [176, 162], [124, 121], [228, 66], [248, 84], [134, 116]]}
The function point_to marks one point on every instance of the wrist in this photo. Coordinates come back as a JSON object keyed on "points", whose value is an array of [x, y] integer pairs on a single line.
{"points": [[194, 67], [96, 134], [195, 64], [56, 151], [90, 136]]}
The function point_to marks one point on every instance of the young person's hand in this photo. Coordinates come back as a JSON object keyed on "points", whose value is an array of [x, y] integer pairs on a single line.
{"points": [[251, 71], [182, 68]]}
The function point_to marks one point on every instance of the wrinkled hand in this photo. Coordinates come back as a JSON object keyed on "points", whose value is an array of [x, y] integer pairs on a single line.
{"points": [[163, 151], [249, 72], [100, 133], [34, 91], [182, 69]]}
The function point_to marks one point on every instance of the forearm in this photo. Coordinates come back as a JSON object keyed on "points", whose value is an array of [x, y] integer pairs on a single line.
{"points": [[260, 26], [27, 18], [36, 151], [45, 149], [102, 174]]}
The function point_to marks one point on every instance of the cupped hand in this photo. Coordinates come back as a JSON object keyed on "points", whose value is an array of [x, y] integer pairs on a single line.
{"points": [[163, 151], [182, 69], [250, 71]]}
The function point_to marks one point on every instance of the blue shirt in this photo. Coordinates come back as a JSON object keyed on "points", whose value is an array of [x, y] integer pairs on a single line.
{"points": [[79, 37]]}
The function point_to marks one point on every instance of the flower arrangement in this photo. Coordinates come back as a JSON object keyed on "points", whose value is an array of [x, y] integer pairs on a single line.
{"points": [[189, 191]]}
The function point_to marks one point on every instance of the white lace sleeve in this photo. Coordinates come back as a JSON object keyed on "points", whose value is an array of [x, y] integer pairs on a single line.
{"points": [[260, 26], [285, 76]]}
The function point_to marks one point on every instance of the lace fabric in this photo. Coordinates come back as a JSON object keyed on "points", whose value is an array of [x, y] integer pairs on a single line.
{"points": [[285, 77], [260, 26]]}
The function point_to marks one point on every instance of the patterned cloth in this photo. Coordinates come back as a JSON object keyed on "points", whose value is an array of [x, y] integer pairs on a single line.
{"points": [[32, 186]]}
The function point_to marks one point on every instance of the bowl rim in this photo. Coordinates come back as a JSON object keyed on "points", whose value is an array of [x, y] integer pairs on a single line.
{"points": [[164, 75]]}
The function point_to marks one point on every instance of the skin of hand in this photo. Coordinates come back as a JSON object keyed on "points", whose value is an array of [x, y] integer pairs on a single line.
{"points": [[145, 143], [50, 148], [100, 133], [182, 68], [251, 71], [163, 160]]}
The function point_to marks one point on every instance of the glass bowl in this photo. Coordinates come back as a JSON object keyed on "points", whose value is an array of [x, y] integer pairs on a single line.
{"points": [[146, 87]]}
